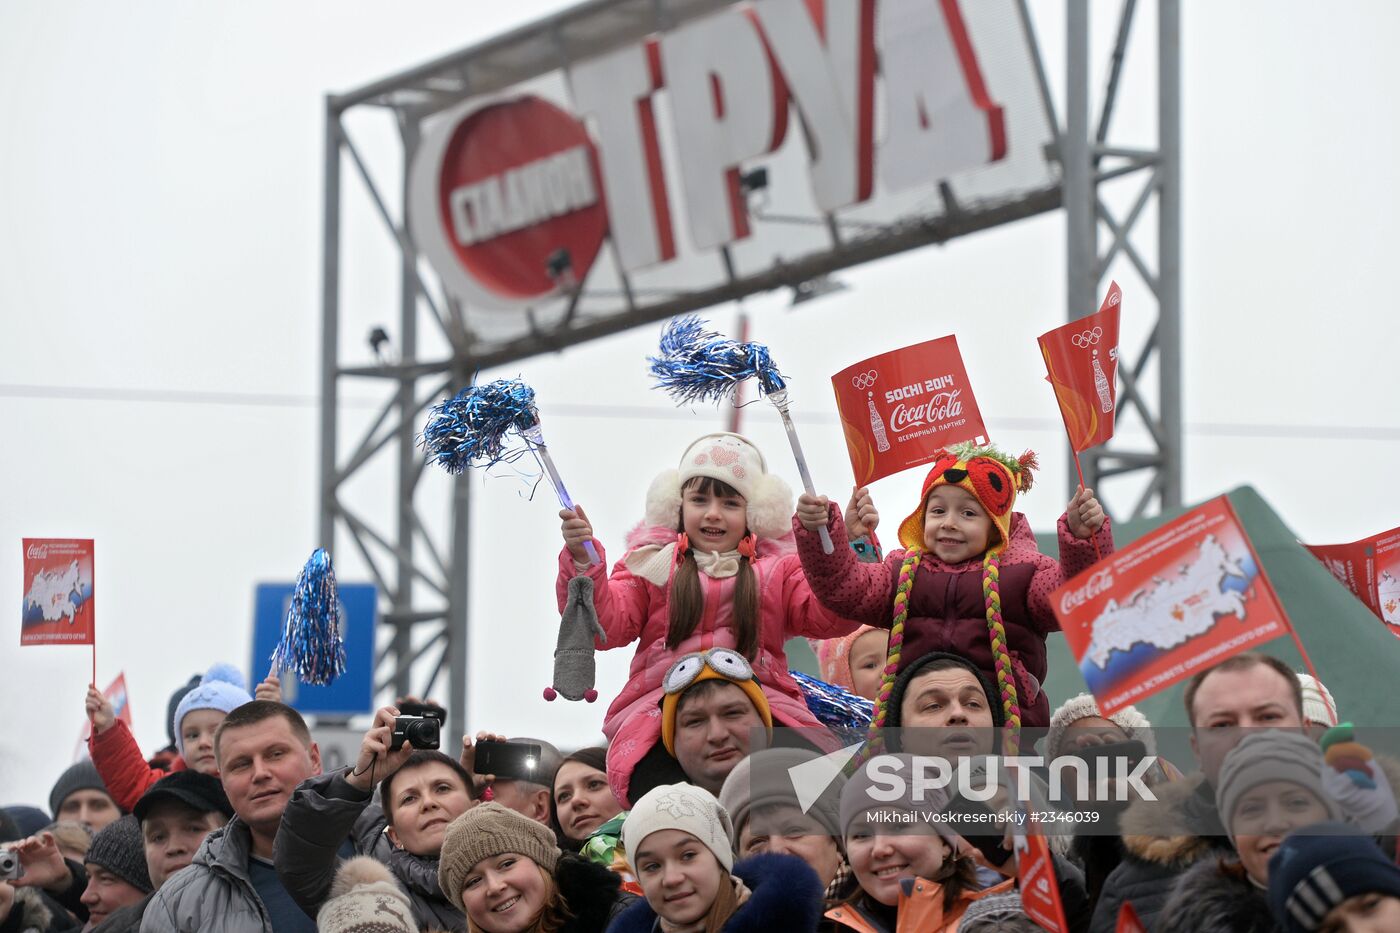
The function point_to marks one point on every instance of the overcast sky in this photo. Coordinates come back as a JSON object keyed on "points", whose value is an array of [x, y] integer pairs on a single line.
{"points": [[160, 202]]}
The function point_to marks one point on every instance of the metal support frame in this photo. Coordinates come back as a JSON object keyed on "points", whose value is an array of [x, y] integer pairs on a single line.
{"points": [[1089, 161], [424, 582]]}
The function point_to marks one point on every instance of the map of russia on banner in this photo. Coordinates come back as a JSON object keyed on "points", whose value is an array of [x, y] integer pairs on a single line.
{"points": [[1176, 601], [1370, 568], [900, 408], [58, 592], [1082, 361]]}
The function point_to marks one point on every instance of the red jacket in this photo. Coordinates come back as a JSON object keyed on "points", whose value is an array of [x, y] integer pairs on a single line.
{"points": [[947, 611], [123, 768]]}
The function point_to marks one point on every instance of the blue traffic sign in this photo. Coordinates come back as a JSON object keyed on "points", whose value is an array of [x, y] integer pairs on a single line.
{"points": [[352, 692]]}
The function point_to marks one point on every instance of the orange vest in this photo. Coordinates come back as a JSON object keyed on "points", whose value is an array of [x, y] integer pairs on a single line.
{"points": [[921, 910]]}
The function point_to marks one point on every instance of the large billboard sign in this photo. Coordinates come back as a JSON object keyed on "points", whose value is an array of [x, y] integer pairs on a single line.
{"points": [[865, 113]]}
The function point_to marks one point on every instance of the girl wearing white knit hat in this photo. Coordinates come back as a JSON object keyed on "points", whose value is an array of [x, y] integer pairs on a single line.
{"points": [[680, 844]]}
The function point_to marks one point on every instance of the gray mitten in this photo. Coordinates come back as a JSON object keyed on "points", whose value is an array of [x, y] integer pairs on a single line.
{"points": [[574, 667]]}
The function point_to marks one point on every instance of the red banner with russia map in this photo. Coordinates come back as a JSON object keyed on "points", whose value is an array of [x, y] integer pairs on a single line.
{"points": [[1370, 568], [899, 409], [1185, 597], [58, 594]]}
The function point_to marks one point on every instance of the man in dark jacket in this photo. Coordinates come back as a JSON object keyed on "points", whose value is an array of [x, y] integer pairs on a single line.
{"points": [[1165, 837]]}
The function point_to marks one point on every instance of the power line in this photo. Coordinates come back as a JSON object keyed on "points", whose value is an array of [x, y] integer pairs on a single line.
{"points": [[655, 413]]}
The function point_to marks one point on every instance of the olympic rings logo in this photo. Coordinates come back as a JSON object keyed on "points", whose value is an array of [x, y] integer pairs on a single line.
{"points": [[1087, 339], [864, 380]]}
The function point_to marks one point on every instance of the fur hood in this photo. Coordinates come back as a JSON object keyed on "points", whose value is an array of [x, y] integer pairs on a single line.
{"points": [[1176, 829], [1215, 896], [786, 897]]}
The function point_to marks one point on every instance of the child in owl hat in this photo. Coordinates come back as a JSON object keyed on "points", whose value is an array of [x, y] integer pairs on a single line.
{"points": [[969, 579], [711, 566]]}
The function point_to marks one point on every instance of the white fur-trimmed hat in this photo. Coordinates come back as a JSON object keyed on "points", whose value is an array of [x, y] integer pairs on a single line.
{"points": [[732, 459], [1076, 708]]}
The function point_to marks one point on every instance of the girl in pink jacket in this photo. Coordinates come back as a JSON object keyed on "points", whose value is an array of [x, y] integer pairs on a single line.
{"points": [[713, 564]]}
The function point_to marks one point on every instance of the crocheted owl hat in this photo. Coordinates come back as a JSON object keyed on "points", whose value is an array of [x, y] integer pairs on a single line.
{"points": [[732, 459], [994, 478]]}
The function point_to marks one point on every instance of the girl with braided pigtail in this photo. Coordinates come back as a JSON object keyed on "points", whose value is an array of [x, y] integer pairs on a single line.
{"points": [[969, 581]]}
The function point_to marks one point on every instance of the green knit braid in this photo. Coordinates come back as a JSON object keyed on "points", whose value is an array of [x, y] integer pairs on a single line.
{"points": [[1006, 678], [901, 615]]}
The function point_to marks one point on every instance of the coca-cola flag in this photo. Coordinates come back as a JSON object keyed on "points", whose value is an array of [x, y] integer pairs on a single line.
{"points": [[1188, 595], [1082, 360], [1370, 568], [58, 595], [900, 408], [1040, 889], [1128, 920]]}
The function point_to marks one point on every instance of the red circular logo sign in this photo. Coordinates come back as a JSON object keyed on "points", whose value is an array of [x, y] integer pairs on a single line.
{"points": [[519, 183]]}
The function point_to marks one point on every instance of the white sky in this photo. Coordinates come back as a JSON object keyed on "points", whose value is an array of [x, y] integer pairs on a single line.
{"points": [[160, 202]]}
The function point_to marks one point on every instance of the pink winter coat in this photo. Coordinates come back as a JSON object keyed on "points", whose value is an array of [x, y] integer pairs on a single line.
{"points": [[631, 609]]}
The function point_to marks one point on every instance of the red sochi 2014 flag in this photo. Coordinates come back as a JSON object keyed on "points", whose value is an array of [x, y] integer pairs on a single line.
{"points": [[1082, 361]]}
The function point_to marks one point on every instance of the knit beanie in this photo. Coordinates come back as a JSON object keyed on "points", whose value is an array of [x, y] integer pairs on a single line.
{"points": [[364, 898], [900, 686], [716, 664], [993, 478], [1267, 756], [687, 808], [1312, 872], [485, 831], [765, 779], [81, 776], [29, 820], [834, 657], [866, 791], [1318, 705], [734, 460], [174, 704], [223, 688], [118, 847], [1084, 705]]}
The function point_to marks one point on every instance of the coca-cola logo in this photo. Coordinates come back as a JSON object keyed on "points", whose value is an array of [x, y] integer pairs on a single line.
{"points": [[1100, 582], [37, 552], [940, 407]]}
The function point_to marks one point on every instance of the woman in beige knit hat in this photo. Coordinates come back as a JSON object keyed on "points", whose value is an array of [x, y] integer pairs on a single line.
{"points": [[506, 873]]}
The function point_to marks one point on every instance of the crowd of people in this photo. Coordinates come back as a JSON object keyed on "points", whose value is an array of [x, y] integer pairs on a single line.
{"points": [[692, 817]]}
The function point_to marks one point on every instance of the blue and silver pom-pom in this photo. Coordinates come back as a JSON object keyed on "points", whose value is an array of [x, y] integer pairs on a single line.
{"points": [[470, 428], [835, 708], [699, 365], [313, 643]]}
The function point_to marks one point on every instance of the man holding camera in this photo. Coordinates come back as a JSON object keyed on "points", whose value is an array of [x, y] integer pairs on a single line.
{"points": [[421, 790], [264, 750]]}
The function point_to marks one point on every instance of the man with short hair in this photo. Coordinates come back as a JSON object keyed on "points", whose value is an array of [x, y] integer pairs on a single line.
{"points": [[264, 751], [1165, 837]]}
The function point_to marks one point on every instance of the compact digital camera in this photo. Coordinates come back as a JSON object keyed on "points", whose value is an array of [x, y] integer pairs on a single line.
{"points": [[418, 731], [10, 867]]}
